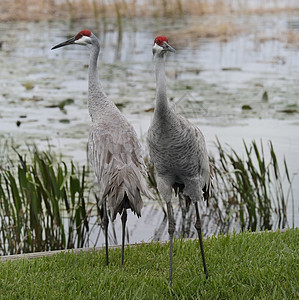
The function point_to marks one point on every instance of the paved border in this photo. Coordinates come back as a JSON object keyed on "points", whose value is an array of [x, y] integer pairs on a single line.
{"points": [[75, 250]]}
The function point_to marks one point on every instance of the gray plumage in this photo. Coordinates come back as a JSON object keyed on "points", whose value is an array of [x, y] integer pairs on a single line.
{"points": [[177, 149], [114, 149], [115, 154]]}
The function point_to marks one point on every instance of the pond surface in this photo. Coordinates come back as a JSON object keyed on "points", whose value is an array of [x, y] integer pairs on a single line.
{"points": [[244, 88]]}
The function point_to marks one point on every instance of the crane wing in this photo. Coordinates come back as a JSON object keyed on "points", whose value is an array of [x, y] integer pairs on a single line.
{"points": [[115, 154], [205, 171]]}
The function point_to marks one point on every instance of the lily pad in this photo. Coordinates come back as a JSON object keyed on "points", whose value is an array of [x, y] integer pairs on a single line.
{"points": [[246, 107], [28, 86], [231, 69], [65, 121], [288, 111], [265, 96]]}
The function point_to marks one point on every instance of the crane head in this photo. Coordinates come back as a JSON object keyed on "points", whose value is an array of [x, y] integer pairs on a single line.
{"points": [[82, 38], [161, 45]]}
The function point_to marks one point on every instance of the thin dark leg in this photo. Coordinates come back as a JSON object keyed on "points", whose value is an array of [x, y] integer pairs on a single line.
{"points": [[123, 220], [105, 224], [184, 212], [198, 228], [171, 228]]}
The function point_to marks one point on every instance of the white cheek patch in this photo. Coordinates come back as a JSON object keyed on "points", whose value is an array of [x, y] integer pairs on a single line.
{"points": [[83, 40], [157, 48]]}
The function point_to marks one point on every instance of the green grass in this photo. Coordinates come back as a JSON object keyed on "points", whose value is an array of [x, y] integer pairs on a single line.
{"points": [[241, 266]]}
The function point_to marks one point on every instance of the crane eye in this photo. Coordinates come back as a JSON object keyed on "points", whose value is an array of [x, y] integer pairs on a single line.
{"points": [[78, 36]]}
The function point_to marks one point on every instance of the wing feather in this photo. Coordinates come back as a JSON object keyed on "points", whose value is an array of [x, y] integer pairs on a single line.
{"points": [[116, 156]]}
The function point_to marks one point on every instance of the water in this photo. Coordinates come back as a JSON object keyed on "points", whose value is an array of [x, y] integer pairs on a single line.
{"points": [[209, 81]]}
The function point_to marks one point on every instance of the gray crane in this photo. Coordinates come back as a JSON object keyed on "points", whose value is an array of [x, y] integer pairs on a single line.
{"points": [[114, 149], [178, 151]]}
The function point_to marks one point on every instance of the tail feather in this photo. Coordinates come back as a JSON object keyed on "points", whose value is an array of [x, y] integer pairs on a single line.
{"points": [[123, 190]]}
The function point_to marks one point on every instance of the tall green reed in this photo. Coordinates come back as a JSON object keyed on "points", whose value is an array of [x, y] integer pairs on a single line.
{"points": [[71, 11], [95, 11], [250, 191], [118, 17], [42, 205]]}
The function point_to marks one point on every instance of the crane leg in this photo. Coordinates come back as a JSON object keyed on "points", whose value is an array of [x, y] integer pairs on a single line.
{"points": [[171, 229], [123, 220], [105, 224], [198, 228]]}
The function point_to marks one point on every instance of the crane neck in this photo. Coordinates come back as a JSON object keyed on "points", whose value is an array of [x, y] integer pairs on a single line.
{"points": [[162, 105], [96, 94]]}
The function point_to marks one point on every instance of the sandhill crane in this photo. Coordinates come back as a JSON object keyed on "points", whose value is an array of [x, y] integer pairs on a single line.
{"points": [[114, 149], [178, 151]]}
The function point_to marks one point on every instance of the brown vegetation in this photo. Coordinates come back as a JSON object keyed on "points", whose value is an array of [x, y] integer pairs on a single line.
{"points": [[78, 9], [293, 37], [219, 21], [218, 29]]}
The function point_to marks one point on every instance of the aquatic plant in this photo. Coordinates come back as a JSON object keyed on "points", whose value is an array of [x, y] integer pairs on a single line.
{"points": [[70, 10], [95, 11], [249, 190], [118, 17], [42, 205]]}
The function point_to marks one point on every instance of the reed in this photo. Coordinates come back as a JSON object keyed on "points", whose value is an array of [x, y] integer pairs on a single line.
{"points": [[249, 191], [118, 18], [180, 8], [70, 10], [95, 11], [42, 205], [103, 14]]}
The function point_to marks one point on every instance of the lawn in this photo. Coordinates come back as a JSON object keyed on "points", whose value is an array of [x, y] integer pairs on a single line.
{"points": [[241, 266]]}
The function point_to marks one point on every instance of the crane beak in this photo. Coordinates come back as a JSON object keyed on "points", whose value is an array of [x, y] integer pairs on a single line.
{"points": [[167, 47], [68, 42]]}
